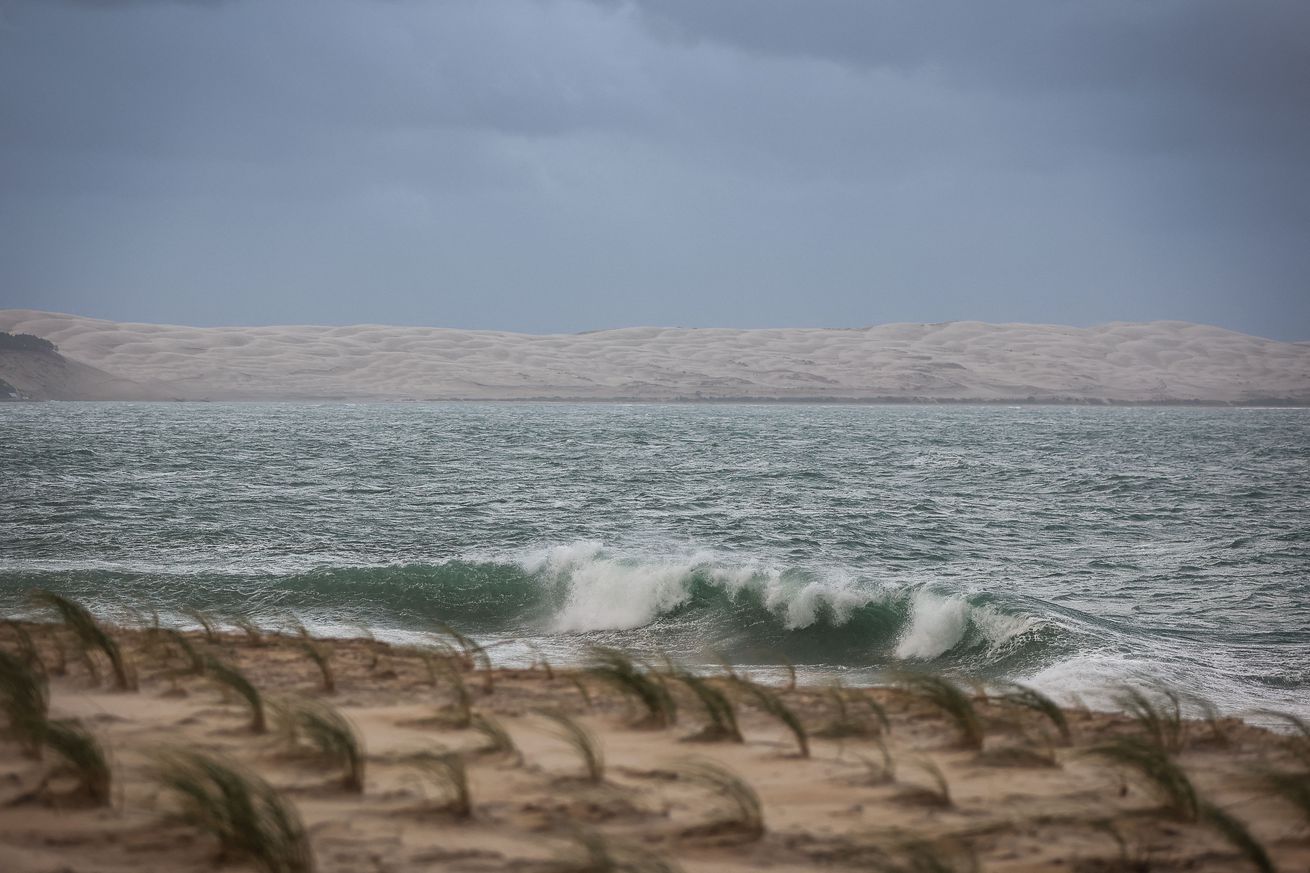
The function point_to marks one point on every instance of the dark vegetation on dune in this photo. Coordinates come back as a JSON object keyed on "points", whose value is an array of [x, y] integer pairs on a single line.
{"points": [[251, 818]]}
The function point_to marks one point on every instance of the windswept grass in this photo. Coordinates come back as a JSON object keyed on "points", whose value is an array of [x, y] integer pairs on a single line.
{"points": [[82, 757], [745, 811], [230, 677], [476, 656], [938, 794], [1157, 770], [593, 852], [25, 702], [254, 633], [720, 715], [1159, 715], [321, 655], [1238, 836], [450, 772], [243, 812], [1024, 697], [619, 670], [952, 701], [847, 723], [1299, 741], [27, 649], [499, 742], [206, 621], [771, 702], [576, 681], [882, 771], [89, 632], [462, 716], [332, 737], [581, 741], [194, 659]]}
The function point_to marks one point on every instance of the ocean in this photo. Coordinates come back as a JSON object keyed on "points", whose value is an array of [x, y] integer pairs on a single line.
{"points": [[1073, 548]]}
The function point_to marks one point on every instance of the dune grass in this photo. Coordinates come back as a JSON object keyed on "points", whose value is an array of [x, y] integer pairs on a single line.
{"points": [[1159, 715], [845, 722], [208, 626], [254, 633], [321, 655], [581, 740], [1238, 835], [229, 676], [1156, 769], [953, 702], [475, 656], [27, 649], [82, 757], [938, 794], [1298, 743], [25, 702], [1023, 697], [744, 813], [720, 714], [461, 714], [243, 812], [619, 670], [194, 658], [771, 702], [882, 771], [90, 633], [449, 771], [594, 852], [499, 742], [331, 737]]}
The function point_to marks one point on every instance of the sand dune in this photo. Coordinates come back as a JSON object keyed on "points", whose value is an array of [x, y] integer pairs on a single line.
{"points": [[1157, 362]]}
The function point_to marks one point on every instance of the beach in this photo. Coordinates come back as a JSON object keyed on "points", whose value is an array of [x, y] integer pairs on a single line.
{"points": [[1026, 800]]}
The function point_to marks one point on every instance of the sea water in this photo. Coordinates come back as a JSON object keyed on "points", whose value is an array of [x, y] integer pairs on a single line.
{"points": [[1074, 548]]}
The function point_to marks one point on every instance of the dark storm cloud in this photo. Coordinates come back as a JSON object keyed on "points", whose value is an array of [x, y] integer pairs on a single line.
{"points": [[571, 164]]}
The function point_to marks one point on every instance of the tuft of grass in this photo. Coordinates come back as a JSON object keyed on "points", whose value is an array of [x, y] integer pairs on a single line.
{"points": [[243, 812], [321, 655], [1159, 715], [745, 812], [1238, 835], [27, 649], [1024, 697], [194, 659], [25, 702], [937, 795], [332, 738], [771, 702], [846, 723], [619, 670], [880, 772], [476, 656], [593, 852], [791, 674], [581, 741], [82, 757], [721, 717], [1292, 788], [206, 621], [462, 716], [230, 677], [254, 633], [576, 681], [89, 632], [1299, 741], [499, 742], [952, 701], [449, 771], [1153, 766]]}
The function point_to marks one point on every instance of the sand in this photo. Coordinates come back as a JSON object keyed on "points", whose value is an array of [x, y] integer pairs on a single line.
{"points": [[1071, 812], [1158, 362]]}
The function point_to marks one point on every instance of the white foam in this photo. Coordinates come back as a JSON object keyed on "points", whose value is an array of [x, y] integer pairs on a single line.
{"points": [[940, 622]]}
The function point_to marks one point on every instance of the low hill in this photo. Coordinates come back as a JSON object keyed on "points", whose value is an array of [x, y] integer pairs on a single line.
{"points": [[1157, 362]]}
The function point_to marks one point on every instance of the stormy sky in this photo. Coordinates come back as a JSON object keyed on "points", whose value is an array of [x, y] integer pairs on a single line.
{"points": [[563, 165]]}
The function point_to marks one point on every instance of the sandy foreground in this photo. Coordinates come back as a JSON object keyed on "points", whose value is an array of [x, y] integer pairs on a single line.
{"points": [[1156, 362], [1025, 802]]}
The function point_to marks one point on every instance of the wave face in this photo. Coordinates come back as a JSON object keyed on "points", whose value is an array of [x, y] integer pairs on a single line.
{"points": [[1072, 548]]}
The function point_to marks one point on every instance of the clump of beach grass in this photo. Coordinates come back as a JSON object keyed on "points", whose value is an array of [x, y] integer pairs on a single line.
{"points": [[90, 633], [230, 677], [594, 852], [847, 723], [744, 813], [582, 741], [619, 670], [1023, 697], [331, 737], [938, 794], [499, 742], [243, 812], [1158, 714], [772, 703], [25, 702], [321, 654], [475, 656], [208, 626], [193, 657], [27, 649], [720, 714], [254, 633], [81, 757], [449, 771], [953, 702], [461, 715], [882, 771]]}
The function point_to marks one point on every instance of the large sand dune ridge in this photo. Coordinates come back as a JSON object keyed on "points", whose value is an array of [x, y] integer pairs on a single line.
{"points": [[1158, 362]]}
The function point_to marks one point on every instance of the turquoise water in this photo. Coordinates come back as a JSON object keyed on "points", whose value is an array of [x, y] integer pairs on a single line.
{"points": [[1071, 547]]}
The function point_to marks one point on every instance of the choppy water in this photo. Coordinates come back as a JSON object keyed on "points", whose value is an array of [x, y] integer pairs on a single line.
{"points": [[1071, 547]]}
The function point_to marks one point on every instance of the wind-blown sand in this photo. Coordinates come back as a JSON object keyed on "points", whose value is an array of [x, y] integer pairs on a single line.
{"points": [[1159, 362], [1013, 811]]}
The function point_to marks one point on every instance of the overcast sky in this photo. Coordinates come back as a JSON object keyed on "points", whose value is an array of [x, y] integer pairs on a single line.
{"points": [[563, 165]]}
